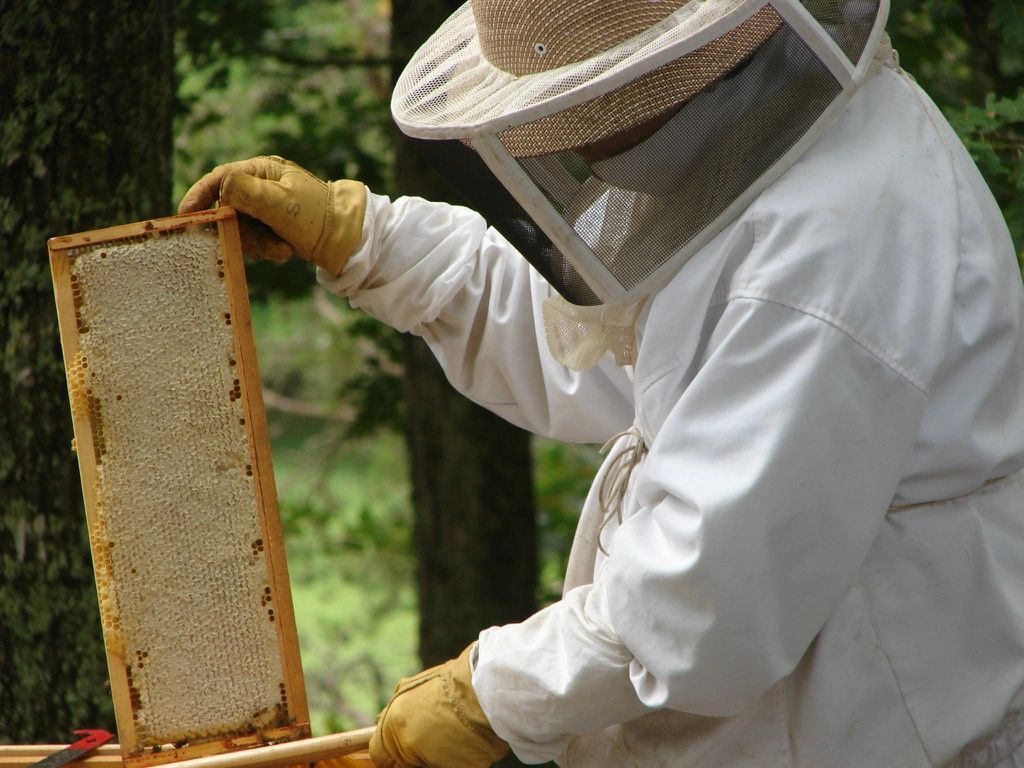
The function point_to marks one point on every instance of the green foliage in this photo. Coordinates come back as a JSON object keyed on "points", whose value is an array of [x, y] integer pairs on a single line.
{"points": [[563, 474], [994, 135], [308, 81], [305, 81], [215, 33], [344, 503], [375, 390], [351, 567]]}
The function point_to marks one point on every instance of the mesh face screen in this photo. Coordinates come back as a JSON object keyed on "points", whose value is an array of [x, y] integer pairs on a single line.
{"points": [[473, 180], [184, 588], [637, 209], [849, 22]]}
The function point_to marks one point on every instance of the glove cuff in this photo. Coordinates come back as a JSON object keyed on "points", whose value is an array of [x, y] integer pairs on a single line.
{"points": [[457, 689], [343, 225]]}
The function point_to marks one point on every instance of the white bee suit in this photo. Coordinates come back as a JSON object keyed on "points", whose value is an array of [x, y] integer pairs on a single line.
{"points": [[821, 559]]}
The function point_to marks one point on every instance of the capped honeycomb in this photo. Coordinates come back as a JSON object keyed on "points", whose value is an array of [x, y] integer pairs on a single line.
{"points": [[182, 572]]}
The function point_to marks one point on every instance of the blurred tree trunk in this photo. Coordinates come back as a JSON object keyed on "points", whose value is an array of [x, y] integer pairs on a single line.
{"points": [[475, 531], [983, 45], [86, 99]]}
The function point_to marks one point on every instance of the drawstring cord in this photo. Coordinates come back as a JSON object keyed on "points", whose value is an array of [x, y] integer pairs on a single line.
{"points": [[611, 494]]}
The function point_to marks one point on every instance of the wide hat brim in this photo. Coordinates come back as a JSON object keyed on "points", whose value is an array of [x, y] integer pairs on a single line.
{"points": [[450, 90]]}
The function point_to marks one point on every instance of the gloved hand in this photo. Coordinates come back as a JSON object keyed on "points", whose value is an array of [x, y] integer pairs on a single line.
{"points": [[434, 720], [295, 212]]}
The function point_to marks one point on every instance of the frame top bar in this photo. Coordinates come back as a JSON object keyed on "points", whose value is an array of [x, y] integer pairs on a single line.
{"points": [[141, 228]]}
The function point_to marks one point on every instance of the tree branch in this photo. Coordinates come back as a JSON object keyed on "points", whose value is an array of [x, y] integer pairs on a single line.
{"points": [[339, 61], [324, 303], [290, 405], [983, 45]]}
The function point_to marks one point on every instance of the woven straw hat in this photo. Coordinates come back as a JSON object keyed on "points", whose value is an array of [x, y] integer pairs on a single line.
{"points": [[549, 75]]}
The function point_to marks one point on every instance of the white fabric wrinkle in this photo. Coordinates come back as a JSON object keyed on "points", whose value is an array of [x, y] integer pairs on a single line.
{"points": [[875, 196], [552, 638], [1002, 749], [399, 284], [447, 284], [947, 555], [480, 328], [886, 357], [496, 288], [437, 269], [470, 371], [773, 525], [885, 55]]}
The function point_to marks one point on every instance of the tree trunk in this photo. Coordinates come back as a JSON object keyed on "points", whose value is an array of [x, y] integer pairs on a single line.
{"points": [[475, 528], [86, 100], [475, 534], [983, 49]]}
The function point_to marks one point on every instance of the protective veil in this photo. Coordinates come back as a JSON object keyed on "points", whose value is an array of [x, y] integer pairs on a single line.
{"points": [[627, 135]]}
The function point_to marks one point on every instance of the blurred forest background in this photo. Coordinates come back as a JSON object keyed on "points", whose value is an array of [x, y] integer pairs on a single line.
{"points": [[412, 520]]}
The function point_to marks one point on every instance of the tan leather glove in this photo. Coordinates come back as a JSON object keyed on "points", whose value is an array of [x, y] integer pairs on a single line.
{"points": [[434, 720], [300, 214]]}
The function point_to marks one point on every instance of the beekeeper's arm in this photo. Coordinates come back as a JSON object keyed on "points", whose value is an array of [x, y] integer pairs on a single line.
{"points": [[764, 488], [433, 269]]}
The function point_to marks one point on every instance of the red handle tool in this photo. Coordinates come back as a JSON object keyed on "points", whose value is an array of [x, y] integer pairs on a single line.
{"points": [[91, 738]]}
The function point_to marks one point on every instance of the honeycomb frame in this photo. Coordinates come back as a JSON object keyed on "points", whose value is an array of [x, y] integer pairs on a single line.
{"points": [[92, 423]]}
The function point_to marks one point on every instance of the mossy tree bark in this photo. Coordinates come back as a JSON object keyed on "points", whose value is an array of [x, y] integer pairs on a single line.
{"points": [[86, 100], [475, 527]]}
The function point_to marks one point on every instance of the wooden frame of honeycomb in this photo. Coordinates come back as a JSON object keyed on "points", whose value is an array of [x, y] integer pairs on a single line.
{"points": [[172, 444]]}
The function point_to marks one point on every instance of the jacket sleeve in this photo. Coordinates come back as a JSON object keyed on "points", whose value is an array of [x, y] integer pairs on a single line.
{"points": [[438, 271], [760, 497]]}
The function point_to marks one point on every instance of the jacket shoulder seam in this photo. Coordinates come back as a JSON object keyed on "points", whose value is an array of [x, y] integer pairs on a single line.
{"points": [[829, 319], [954, 171]]}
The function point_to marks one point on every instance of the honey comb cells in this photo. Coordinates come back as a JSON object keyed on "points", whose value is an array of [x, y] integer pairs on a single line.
{"points": [[184, 587]]}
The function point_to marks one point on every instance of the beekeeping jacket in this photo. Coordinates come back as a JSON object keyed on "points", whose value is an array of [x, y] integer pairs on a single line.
{"points": [[819, 557]]}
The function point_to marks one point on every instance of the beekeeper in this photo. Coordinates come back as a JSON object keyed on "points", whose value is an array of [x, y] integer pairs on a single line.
{"points": [[734, 238]]}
